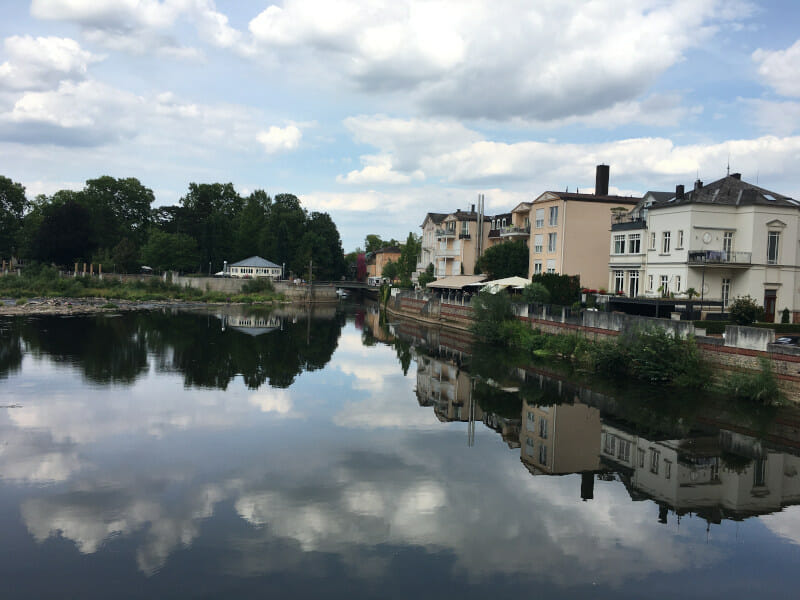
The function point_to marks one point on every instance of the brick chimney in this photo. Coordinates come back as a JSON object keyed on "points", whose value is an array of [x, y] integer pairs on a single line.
{"points": [[601, 180]]}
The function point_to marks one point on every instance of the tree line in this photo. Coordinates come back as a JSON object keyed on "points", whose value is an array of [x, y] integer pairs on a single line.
{"points": [[112, 222]]}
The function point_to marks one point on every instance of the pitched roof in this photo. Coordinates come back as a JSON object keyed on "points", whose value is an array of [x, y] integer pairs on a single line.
{"points": [[592, 198], [435, 217], [659, 196], [729, 191], [255, 261], [457, 282], [460, 215]]}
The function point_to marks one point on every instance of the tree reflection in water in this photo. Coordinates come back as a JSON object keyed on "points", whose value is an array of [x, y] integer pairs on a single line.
{"points": [[115, 348]]}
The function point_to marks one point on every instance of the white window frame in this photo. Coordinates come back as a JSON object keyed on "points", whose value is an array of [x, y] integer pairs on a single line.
{"points": [[664, 286], [539, 218], [726, 291], [635, 243], [633, 289], [619, 244], [537, 267], [553, 216], [619, 281], [552, 241], [551, 265], [666, 238], [679, 240], [538, 241], [650, 282], [652, 240], [773, 247], [677, 283]]}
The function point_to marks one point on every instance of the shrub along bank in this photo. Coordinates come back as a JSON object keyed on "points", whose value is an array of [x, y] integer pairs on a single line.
{"points": [[650, 356], [46, 282]]}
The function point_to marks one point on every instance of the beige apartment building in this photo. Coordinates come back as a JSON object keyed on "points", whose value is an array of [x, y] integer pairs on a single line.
{"points": [[570, 232], [453, 243], [380, 258]]}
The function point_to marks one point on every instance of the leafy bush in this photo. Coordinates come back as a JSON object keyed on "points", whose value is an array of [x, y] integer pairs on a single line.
{"points": [[257, 286], [536, 293], [785, 316], [564, 289], [490, 312], [427, 276], [745, 310], [758, 387]]}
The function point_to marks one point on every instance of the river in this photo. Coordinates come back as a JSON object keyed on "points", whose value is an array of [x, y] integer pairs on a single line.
{"points": [[251, 454]]}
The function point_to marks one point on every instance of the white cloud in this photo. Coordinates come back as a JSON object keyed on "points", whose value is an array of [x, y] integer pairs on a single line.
{"points": [[779, 68], [142, 26], [779, 118], [280, 139], [40, 63], [481, 59], [272, 400]]}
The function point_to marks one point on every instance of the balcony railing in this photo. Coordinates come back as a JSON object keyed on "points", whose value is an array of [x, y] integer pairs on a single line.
{"points": [[445, 233], [448, 253], [515, 231], [721, 257]]}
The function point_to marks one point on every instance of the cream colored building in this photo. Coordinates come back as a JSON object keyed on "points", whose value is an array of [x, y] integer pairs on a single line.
{"points": [[380, 258], [726, 239], [454, 243], [255, 266], [570, 232]]}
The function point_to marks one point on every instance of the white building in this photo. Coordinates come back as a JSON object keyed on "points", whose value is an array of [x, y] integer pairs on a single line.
{"points": [[255, 266], [723, 240]]}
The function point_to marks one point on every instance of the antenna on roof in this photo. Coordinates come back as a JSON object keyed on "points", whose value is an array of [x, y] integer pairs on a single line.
{"points": [[729, 165]]}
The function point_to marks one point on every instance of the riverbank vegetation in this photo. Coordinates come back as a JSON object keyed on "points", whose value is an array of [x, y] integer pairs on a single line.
{"points": [[650, 356], [39, 281]]}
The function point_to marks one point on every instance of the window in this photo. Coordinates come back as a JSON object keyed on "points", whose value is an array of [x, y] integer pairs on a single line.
{"points": [[551, 242], [543, 429], [650, 282], [633, 283], [539, 218], [537, 267], [504, 222], [665, 239], [527, 222], [551, 265], [655, 455], [727, 244], [634, 243], [664, 286], [610, 444], [531, 422], [679, 242], [619, 244], [542, 454], [667, 469], [726, 291], [624, 450], [494, 222], [653, 240], [759, 472], [537, 243], [677, 283], [773, 239], [553, 216], [529, 446], [464, 228], [640, 456], [619, 281]]}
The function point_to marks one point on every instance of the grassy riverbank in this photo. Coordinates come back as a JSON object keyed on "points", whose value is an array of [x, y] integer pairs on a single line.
{"points": [[46, 283], [649, 356]]}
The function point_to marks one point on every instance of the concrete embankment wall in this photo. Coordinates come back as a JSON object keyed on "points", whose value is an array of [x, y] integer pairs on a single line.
{"points": [[294, 292], [741, 349]]}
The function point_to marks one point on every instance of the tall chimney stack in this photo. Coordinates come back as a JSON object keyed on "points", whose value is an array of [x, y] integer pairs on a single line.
{"points": [[679, 192], [601, 181]]}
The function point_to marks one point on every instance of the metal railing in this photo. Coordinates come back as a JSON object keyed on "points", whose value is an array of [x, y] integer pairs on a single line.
{"points": [[445, 233], [514, 230], [710, 257]]}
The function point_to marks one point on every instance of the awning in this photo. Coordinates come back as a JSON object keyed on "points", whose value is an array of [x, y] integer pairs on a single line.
{"points": [[496, 285], [457, 282]]}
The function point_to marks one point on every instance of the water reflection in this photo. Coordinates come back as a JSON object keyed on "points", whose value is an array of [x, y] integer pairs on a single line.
{"points": [[358, 480], [718, 463]]}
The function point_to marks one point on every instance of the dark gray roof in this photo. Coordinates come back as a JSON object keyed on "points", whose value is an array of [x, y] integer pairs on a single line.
{"points": [[730, 191], [471, 215], [255, 261], [660, 196], [435, 217], [594, 198]]}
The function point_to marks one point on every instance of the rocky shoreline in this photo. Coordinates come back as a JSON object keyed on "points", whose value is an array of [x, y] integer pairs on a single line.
{"points": [[84, 306]]}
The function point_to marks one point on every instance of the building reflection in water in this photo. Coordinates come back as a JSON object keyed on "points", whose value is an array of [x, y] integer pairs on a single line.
{"points": [[713, 471]]}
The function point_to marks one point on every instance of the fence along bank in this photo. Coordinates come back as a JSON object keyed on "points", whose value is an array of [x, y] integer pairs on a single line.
{"points": [[740, 349]]}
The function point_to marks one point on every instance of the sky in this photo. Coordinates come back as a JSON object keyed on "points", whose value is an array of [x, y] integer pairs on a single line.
{"points": [[380, 111]]}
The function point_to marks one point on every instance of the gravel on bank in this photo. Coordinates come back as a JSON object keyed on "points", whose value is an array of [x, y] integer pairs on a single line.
{"points": [[83, 306]]}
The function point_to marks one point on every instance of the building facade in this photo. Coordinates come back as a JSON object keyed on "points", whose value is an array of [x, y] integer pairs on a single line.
{"points": [[377, 260], [569, 232], [454, 244], [724, 240], [255, 266]]}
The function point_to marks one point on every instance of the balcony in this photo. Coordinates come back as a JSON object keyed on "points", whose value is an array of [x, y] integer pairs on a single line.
{"points": [[699, 258], [494, 233], [445, 233], [627, 222], [448, 253], [513, 231], [464, 236]]}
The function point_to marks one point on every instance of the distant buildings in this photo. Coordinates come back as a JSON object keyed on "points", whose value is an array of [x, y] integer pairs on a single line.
{"points": [[254, 266], [377, 260]]}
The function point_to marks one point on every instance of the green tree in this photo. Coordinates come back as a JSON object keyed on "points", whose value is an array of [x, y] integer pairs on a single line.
{"points": [[508, 259], [64, 235], [12, 207], [536, 293], [250, 225], [321, 243], [283, 234], [745, 311], [391, 270], [427, 276], [211, 211], [490, 311], [407, 263], [119, 208], [564, 289], [170, 251], [126, 256]]}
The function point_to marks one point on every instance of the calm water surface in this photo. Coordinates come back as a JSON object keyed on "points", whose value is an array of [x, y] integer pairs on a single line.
{"points": [[264, 455]]}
